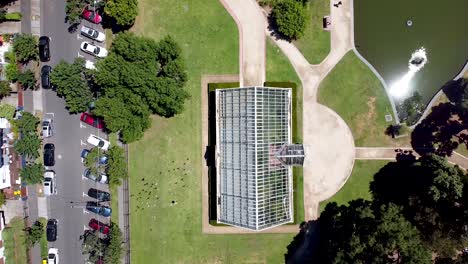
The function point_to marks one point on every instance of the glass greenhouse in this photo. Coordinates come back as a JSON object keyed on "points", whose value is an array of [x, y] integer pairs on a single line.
{"points": [[253, 154]]}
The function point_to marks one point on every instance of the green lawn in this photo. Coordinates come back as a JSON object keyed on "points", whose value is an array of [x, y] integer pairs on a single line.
{"points": [[357, 185], [43, 242], [278, 69], [14, 242], [165, 165], [354, 92], [315, 44]]}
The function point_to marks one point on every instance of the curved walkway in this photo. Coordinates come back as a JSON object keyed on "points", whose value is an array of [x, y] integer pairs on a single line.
{"points": [[328, 141]]}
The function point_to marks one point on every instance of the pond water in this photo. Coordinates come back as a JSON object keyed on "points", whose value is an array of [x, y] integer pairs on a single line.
{"points": [[415, 45]]}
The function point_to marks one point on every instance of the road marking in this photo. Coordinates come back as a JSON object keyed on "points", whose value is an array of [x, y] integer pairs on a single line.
{"points": [[85, 212], [85, 195], [78, 36], [85, 228], [59, 156], [79, 55], [82, 143], [82, 126], [52, 114]]}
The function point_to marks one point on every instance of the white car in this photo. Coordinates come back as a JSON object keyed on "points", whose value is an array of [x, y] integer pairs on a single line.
{"points": [[47, 128], [93, 34], [93, 49], [53, 256], [50, 186], [99, 142]]}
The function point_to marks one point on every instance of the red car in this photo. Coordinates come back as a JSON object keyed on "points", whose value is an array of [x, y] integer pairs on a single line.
{"points": [[92, 16], [101, 227], [91, 120]]}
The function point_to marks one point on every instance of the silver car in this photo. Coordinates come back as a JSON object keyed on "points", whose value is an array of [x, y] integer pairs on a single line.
{"points": [[47, 127], [93, 34]]}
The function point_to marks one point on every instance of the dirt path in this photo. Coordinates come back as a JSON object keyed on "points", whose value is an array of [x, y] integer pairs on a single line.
{"points": [[250, 22]]}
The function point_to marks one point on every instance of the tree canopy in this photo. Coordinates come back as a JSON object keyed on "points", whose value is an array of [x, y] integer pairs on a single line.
{"points": [[72, 83], [123, 12], [27, 79], [34, 233], [33, 173], [289, 18], [5, 89], [135, 85], [117, 167], [25, 47]]}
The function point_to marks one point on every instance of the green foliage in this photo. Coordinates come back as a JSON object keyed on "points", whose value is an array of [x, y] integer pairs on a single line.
{"points": [[2, 198], [290, 19], [117, 167], [27, 79], [34, 233], [411, 109], [33, 173], [12, 72], [28, 123], [123, 11], [113, 250], [7, 111], [92, 160], [25, 48], [73, 9], [138, 78], [92, 246], [72, 84], [366, 233], [13, 16], [28, 146], [5, 89]]}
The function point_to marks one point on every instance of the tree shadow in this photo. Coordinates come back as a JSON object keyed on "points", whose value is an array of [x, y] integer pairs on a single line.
{"points": [[303, 247]]}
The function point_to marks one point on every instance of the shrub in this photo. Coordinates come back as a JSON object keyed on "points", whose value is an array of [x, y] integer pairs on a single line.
{"points": [[25, 47], [289, 18], [27, 79], [7, 111], [14, 16], [32, 174]]}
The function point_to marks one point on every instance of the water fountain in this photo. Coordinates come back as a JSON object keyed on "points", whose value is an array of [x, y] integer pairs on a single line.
{"points": [[417, 61]]}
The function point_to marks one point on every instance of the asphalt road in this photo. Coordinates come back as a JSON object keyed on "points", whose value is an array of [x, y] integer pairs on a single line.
{"points": [[69, 139]]}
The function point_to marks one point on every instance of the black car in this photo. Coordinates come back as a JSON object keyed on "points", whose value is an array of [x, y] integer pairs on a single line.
{"points": [[49, 154], [98, 209], [99, 195], [45, 76], [44, 48], [51, 230]]}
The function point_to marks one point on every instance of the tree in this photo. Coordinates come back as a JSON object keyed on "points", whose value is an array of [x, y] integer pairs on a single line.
{"points": [[5, 89], [2, 198], [73, 10], [289, 18], [113, 250], [93, 157], [167, 50], [364, 232], [25, 48], [33, 174], [27, 79], [117, 167], [7, 111], [72, 84], [28, 146], [123, 12], [92, 246], [28, 123], [34, 233], [175, 70]]}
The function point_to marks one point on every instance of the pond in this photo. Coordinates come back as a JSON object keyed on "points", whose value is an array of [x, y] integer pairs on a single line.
{"points": [[432, 34]]}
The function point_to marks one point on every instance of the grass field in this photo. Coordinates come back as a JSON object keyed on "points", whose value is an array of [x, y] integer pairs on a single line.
{"points": [[357, 185], [43, 242], [315, 44], [14, 242], [354, 92], [165, 166]]}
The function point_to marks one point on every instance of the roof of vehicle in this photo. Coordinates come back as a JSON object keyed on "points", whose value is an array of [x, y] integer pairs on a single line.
{"points": [[49, 174]]}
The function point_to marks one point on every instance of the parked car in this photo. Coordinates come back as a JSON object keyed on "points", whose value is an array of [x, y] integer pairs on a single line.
{"points": [[51, 230], [99, 226], [53, 256], [45, 76], [92, 16], [44, 48], [93, 34], [92, 120], [98, 209], [49, 154], [93, 49], [47, 127], [50, 186], [99, 195], [98, 142], [101, 178], [102, 159]]}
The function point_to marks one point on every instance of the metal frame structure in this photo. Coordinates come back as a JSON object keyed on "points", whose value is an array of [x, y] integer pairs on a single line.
{"points": [[254, 187]]}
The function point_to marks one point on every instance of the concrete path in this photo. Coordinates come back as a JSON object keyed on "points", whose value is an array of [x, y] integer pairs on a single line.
{"points": [[250, 22], [328, 140]]}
